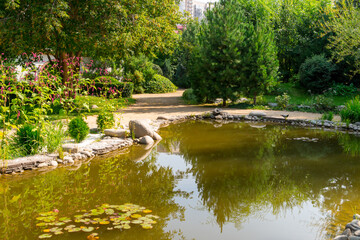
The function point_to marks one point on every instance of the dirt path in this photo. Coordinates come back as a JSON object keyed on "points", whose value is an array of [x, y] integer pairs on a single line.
{"points": [[150, 106]]}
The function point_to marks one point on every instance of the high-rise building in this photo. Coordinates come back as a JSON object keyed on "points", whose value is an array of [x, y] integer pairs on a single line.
{"points": [[189, 6]]}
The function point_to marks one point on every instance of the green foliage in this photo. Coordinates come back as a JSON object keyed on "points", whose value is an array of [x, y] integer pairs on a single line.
{"points": [[78, 129], [235, 53], [189, 97], [106, 79], [158, 69], [322, 103], [105, 120], [106, 28], [54, 135], [327, 116], [139, 70], [342, 90], [297, 32], [283, 100], [28, 139], [315, 74], [345, 33], [351, 112], [160, 84], [110, 89]]}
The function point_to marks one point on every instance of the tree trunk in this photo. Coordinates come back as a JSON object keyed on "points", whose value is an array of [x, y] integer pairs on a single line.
{"points": [[224, 102], [64, 67], [255, 99]]}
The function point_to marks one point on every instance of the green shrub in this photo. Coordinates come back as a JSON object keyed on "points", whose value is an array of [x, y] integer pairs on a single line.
{"points": [[78, 129], [327, 116], [323, 104], [283, 100], [157, 69], [105, 120], [189, 97], [54, 136], [342, 90], [119, 89], [351, 112], [106, 79], [28, 140], [160, 84], [315, 74]]}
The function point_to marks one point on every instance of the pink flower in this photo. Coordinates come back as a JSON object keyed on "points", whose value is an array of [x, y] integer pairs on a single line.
{"points": [[56, 210], [18, 115]]}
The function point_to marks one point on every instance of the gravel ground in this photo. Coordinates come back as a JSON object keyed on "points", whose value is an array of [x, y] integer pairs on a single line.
{"points": [[150, 106]]}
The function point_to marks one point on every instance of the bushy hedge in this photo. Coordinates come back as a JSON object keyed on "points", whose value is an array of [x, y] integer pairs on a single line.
{"points": [[78, 129], [119, 89], [159, 84], [315, 74]]}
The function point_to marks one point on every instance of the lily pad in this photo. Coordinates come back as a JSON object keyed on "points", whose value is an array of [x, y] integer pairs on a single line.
{"points": [[58, 232], [126, 226], [42, 224], [136, 221], [147, 211], [109, 211], [88, 229], [74, 230], [136, 216], [146, 226], [104, 222], [43, 236]]}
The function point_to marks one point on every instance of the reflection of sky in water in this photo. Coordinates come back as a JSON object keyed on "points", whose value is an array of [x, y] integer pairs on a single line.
{"points": [[298, 223]]}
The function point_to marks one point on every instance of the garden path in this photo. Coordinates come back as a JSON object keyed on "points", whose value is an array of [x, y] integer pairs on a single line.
{"points": [[150, 106]]}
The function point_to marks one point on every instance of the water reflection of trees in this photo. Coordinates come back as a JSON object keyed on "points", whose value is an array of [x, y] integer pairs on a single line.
{"points": [[116, 180], [241, 171]]}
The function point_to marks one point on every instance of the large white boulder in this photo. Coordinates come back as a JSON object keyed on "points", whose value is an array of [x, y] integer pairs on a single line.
{"points": [[141, 128]]}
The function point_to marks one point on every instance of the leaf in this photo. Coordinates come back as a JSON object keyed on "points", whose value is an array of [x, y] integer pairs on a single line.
{"points": [[43, 236]]}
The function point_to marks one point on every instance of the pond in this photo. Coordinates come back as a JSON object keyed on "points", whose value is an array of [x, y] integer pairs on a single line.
{"points": [[204, 180]]}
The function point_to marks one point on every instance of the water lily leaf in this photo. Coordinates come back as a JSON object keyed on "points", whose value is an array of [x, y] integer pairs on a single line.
{"points": [[93, 236], [146, 226], [58, 233], [55, 229], [126, 226], [46, 230], [65, 219], [125, 222], [78, 216], [119, 227], [136, 216], [147, 211], [69, 227], [43, 236], [88, 229], [110, 228], [59, 223], [136, 221], [41, 224], [74, 230], [109, 211]]}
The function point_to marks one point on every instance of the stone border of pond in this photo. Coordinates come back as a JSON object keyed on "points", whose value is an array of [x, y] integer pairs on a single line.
{"points": [[144, 132]]}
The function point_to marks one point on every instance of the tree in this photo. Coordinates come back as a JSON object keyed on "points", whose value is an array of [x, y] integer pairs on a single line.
{"points": [[345, 41], [235, 53], [90, 28]]}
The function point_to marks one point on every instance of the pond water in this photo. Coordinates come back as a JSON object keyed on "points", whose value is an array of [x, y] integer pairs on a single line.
{"points": [[205, 181]]}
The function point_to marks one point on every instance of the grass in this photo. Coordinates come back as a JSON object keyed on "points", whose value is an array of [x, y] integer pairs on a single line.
{"points": [[102, 103], [297, 95]]}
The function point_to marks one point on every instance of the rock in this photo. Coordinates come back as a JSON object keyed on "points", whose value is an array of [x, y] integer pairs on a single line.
{"points": [[140, 128], [71, 161], [120, 133], [257, 114], [70, 148], [156, 136], [146, 140], [357, 123], [356, 233], [68, 159], [341, 237], [272, 104], [354, 225], [354, 238], [356, 216], [54, 163], [94, 107], [347, 232], [59, 161], [86, 153], [216, 112], [341, 107], [162, 118], [218, 117], [41, 165]]}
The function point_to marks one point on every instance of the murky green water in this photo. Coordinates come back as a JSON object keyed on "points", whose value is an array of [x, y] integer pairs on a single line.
{"points": [[205, 181]]}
